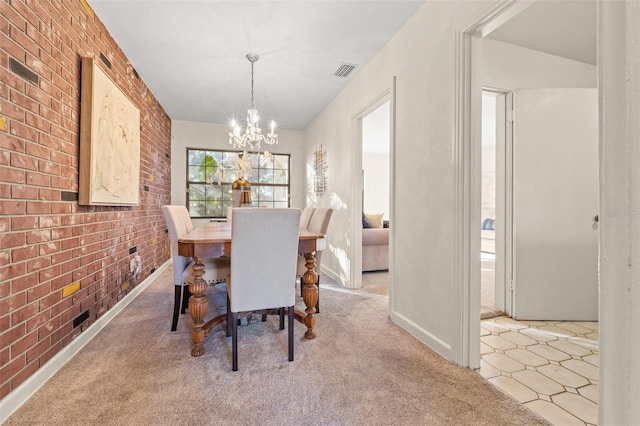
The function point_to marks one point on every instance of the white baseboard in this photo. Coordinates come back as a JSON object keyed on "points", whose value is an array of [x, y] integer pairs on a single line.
{"points": [[423, 335], [20, 395]]}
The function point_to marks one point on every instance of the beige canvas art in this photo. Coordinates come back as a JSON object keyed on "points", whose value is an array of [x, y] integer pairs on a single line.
{"points": [[109, 141]]}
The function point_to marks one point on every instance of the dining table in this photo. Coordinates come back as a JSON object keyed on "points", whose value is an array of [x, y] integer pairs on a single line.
{"points": [[214, 239]]}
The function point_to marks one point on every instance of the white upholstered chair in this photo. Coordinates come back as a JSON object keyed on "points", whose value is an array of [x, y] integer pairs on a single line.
{"points": [[305, 217], [319, 223], [263, 267], [215, 270]]}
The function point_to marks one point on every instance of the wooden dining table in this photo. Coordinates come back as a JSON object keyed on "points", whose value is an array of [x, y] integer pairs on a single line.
{"points": [[212, 240]]}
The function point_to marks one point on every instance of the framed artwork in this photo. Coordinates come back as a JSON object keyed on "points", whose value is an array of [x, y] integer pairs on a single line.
{"points": [[109, 142]]}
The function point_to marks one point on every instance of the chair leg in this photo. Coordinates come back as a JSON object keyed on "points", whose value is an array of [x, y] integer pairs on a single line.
{"points": [[234, 340], [176, 307], [290, 327], [281, 313], [186, 294], [228, 317]]}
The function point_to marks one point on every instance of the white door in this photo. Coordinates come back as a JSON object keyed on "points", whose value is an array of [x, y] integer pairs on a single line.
{"points": [[555, 201]]}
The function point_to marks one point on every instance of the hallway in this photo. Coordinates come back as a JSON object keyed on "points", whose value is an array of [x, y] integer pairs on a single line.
{"points": [[551, 367]]}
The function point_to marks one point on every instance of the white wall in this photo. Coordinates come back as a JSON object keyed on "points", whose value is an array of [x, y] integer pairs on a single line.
{"points": [[376, 183], [189, 134], [375, 160], [619, 86], [517, 67], [422, 57]]}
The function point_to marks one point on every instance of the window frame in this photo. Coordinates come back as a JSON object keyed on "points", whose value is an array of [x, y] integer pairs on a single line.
{"points": [[253, 180]]}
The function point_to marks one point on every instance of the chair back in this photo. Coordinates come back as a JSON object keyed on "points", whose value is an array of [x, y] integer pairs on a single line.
{"points": [[305, 217], [263, 258], [178, 224], [320, 223]]}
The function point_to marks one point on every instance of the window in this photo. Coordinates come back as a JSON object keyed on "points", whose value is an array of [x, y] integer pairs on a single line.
{"points": [[208, 198]]}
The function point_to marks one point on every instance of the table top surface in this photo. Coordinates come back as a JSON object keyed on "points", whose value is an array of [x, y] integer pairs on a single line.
{"points": [[220, 232]]}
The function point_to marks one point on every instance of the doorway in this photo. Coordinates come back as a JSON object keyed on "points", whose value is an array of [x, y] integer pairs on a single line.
{"points": [[376, 204], [495, 248]]}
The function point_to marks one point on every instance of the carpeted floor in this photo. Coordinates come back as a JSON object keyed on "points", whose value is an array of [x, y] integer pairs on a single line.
{"points": [[361, 370]]}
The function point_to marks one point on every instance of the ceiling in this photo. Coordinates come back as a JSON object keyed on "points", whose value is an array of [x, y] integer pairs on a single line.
{"points": [[191, 54], [561, 28]]}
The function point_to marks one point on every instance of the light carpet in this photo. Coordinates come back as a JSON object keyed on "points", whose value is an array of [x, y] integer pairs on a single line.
{"points": [[362, 369]]}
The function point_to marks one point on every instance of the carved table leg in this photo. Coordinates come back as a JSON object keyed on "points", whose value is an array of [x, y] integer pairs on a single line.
{"points": [[310, 294], [198, 307]]}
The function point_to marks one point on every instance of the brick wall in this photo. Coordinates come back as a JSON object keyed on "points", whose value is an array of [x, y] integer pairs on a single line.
{"points": [[47, 240]]}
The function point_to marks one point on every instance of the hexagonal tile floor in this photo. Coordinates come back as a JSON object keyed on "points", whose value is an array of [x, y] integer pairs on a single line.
{"points": [[549, 366]]}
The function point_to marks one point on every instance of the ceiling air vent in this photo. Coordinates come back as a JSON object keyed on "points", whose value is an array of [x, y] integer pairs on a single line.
{"points": [[344, 70]]}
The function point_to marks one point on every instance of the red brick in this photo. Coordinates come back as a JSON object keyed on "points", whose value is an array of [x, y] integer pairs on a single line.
{"points": [[38, 263], [60, 233], [14, 17], [8, 174], [48, 328], [14, 239], [61, 281], [38, 291], [48, 248], [49, 221], [48, 167], [39, 236], [23, 131], [49, 194], [23, 161], [47, 302], [38, 207], [50, 142], [24, 253], [61, 183], [10, 46], [11, 303], [49, 273], [38, 179], [20, 223], [5, 290], [60, 158], [15, 112], [11, 142], [24, 282], [71, 265], [12, 270], [36, 351], [38, 95], [21, 315], [24, 102], [5, 224], [7, 371], [25, 12], [22, 192], [37, 150], [38, 37], [20, 347], [12, 207], [37, 122]]}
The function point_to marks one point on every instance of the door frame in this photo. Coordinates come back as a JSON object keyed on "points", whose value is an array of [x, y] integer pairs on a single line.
{"points": [[467, 145], [504, 199], [355, 268]]}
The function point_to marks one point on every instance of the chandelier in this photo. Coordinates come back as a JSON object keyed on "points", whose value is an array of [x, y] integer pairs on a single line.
{"points": [[253, 136]]}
